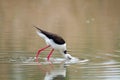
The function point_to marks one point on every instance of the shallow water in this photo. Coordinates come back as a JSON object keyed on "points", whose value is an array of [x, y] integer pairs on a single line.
{"points": [[24, 67], [90, 28]]}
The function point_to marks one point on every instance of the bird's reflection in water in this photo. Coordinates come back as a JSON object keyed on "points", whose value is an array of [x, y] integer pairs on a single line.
{"points": [[54, 72]]}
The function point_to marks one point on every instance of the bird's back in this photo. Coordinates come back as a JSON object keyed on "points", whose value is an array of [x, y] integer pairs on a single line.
{"points": [[57, 39]]}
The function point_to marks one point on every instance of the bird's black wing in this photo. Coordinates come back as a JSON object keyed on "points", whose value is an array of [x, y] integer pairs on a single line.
{"points": [[57, 39]]}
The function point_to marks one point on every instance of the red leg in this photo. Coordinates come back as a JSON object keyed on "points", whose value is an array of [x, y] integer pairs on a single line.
{"points": [[48, 57], [40, 51]]}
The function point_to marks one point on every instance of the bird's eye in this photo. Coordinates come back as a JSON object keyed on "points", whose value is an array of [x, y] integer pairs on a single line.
{"points": [[65, 52]]}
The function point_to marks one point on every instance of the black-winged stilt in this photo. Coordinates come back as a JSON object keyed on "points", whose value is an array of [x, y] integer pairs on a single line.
{"points": [[54, 41]]}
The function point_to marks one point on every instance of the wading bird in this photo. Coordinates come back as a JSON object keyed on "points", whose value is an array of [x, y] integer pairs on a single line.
{"points": [[54, 41]]}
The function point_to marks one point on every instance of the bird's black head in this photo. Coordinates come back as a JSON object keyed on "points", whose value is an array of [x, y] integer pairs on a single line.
{"points": [[65, 52], [67, 56]]}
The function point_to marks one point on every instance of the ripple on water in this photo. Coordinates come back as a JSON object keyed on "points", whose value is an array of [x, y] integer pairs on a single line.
{"points": [[108, 70]]}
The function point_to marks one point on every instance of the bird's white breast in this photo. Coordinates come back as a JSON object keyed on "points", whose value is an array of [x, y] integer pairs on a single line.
{"points": [[61, 47]]}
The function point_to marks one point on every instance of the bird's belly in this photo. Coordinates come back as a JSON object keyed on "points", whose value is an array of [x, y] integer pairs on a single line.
{"points": [[57, 46]]}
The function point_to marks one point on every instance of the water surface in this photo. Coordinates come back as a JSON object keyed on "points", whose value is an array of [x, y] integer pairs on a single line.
{"points": [[90, 28]]}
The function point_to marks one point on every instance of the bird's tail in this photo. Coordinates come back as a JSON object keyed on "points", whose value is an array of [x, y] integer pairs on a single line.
{"points": [[37, 28]]}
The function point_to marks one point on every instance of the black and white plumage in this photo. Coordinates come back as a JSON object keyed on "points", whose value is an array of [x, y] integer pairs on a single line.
{"points": [[57, 39], [54, 41]]}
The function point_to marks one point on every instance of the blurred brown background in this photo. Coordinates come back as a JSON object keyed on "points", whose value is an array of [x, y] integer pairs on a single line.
{"points": [[91, 25]]}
